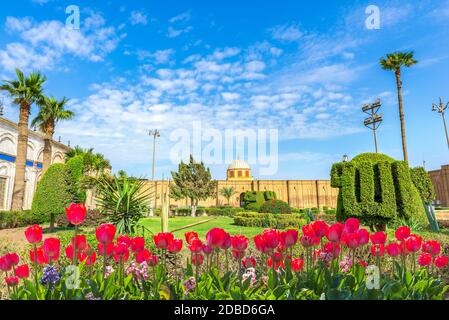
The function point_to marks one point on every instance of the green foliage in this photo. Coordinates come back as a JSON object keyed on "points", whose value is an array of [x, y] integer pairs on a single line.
{"points": [[94, 163], [16, 219], [75, 170], [277, 221], [227, 192], [276, 207], [223, 211], [376, 189], [253, 200], [123, 200], [423, 183], [192, 181], [93, 218], [52, 194]]}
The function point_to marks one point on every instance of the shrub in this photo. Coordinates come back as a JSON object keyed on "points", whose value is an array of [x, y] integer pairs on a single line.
{"points": [[75, 171], [253, 200], [276, 221], [16, 219], [422, 182], [223, 211], [93, 219], [276, 207], [52, 194], [376, 189], [328, 218]]}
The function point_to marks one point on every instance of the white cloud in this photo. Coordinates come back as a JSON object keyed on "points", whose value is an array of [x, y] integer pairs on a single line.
{"points": [[229, 96], [286, 32], [138, 17], [173, 33], [157, 57], [183, 17]]}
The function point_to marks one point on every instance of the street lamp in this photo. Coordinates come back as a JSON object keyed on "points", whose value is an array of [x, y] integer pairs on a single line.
{"points": [[374, 120], [155, 134], [1, 107], [345, 158], [440, 109]]}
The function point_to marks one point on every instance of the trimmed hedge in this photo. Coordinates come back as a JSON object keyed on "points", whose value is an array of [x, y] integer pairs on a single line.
{"points": [[276, 207], [16, 219], [253, 200], [93, 219], [376, 189], [268, 220], [423, 183], [223, 211], [52, 194], [75, 171]]}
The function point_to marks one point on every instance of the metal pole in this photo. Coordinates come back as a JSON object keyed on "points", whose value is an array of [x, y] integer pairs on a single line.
{"points": [[375, 139], [154, 155], [445, 128]]}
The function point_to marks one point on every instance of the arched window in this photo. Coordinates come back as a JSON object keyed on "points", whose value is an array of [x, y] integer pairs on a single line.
{"points": [[231, 174], [247, 173], [239, 173]]}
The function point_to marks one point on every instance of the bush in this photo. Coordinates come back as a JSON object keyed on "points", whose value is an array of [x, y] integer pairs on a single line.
{"points": [[223, 211], [93, 218], [276, 221], [276, 207], [253, 200], [52, 194], [187, 211], [16, 219], [376, 189], [75, 171], [328, 218], [422, 182]]}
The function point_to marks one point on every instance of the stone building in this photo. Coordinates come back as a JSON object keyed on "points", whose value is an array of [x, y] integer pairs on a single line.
{"points": [[8, 149], [239, 170], [440, 180]]}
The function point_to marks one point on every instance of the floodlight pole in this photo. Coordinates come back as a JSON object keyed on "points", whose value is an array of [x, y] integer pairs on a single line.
{"points": [[155, 134], [374, 119], [440, 109]]}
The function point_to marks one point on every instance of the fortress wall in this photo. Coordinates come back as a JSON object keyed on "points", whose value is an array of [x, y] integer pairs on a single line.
{"points": [[440, 180]]}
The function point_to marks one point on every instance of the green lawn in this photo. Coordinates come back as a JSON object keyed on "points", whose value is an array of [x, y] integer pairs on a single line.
{"points": [[154, 224]]}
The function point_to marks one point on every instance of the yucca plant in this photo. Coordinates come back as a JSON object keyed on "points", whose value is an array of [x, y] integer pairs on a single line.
{"points": [[123, 199]]}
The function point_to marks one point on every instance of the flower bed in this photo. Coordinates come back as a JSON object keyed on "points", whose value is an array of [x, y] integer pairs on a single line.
{"points": [[340, 261]]}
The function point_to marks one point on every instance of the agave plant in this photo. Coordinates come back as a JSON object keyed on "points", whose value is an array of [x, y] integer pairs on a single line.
{"points": [[124, 199]]}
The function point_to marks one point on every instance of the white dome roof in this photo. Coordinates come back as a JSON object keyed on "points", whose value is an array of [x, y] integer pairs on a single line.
{"points": [[239, 164]]}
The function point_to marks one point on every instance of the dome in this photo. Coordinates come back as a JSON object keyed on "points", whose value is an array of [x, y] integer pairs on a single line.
{"points": [[238, 164]]}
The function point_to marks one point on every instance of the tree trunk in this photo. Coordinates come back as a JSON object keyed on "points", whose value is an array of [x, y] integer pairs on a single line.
{"points": [[47, 153], [193, 207], [401, 114], [52, 222], [22, 145]]}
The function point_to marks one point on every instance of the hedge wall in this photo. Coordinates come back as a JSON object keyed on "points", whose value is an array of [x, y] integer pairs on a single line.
{"points": [[277, 221], [52, 194], [15, 219], [422, 182], [275, 207], [75, 170], [376, 189]]}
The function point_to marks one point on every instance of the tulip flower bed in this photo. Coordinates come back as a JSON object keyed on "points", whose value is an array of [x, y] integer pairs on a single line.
{"points": [[340, 261]]}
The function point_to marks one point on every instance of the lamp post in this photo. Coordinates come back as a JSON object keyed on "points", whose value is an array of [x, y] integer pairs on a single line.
{"points": [[345, 158], [1, 107], [155, 134], [440, 109], [374, 120]]}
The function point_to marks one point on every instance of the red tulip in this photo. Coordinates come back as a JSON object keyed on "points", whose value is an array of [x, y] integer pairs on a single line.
{"points": [[352, 225], [226, 242], [124, 239], [197, 259], [88, 256], [22, 271], [239, 243], [238, 254], [271, 238], [413, 243], [40, 258], [249, 262], [152, 261], [175, 246], [377, 250], [69, 252], [351, 240], [163, 240], [4, 264], [393, 249], [379, 237], [109, 249], [277, 264], [105, 233], [363, 236], [424, 259], [431, 246], [441, 261], [196, 245], [402, 233], [143, 255], [289, 238], [216, 238], [76, 213], [332, 248], [362, 263], [121, 252], [297, 264], [79, 242], [307, 241], [308, 230], [12, 258], [259, 241], [320, 227], [12, 281], [335, 231], [206, 249], [52, 248], [190, 236], [34, 234], [137, 244]]}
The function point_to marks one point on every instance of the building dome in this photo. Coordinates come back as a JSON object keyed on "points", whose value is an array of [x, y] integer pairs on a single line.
{"points": [[239, 164]]}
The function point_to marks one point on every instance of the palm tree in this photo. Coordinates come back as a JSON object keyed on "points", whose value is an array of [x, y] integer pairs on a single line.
{"points": [[94, 163], [51, 111], [24, 91], [227, 192], [394, 62]]}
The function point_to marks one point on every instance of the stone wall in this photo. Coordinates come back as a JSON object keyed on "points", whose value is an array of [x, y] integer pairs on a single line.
{"points": [[440, 179], [298, 193]]}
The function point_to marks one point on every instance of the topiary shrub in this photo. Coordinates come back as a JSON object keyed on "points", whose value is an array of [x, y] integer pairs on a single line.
{"points": [[376, 189], [75, 171], [275, 207], [253, 200], [52, 194], [423, 183]]}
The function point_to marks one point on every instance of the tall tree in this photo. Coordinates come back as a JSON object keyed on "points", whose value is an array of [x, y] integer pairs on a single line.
{"points": [[227, 192], [194, 182], [24, 91], [394, 62], [94, 163], [50, 113]]}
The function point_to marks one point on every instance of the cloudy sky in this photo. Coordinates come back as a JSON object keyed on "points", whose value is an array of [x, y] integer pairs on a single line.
{"points": [[302, 68]]}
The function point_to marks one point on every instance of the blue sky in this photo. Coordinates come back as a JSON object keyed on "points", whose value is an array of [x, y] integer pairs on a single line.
{"points": [[301, 67]]}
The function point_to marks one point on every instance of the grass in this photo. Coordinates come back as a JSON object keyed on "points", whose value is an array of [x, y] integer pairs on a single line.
{"points": [[227, 223]]}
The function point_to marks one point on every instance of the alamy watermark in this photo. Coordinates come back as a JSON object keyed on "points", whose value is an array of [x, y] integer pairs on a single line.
{"points": [[372, 22], [73, 19]]}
